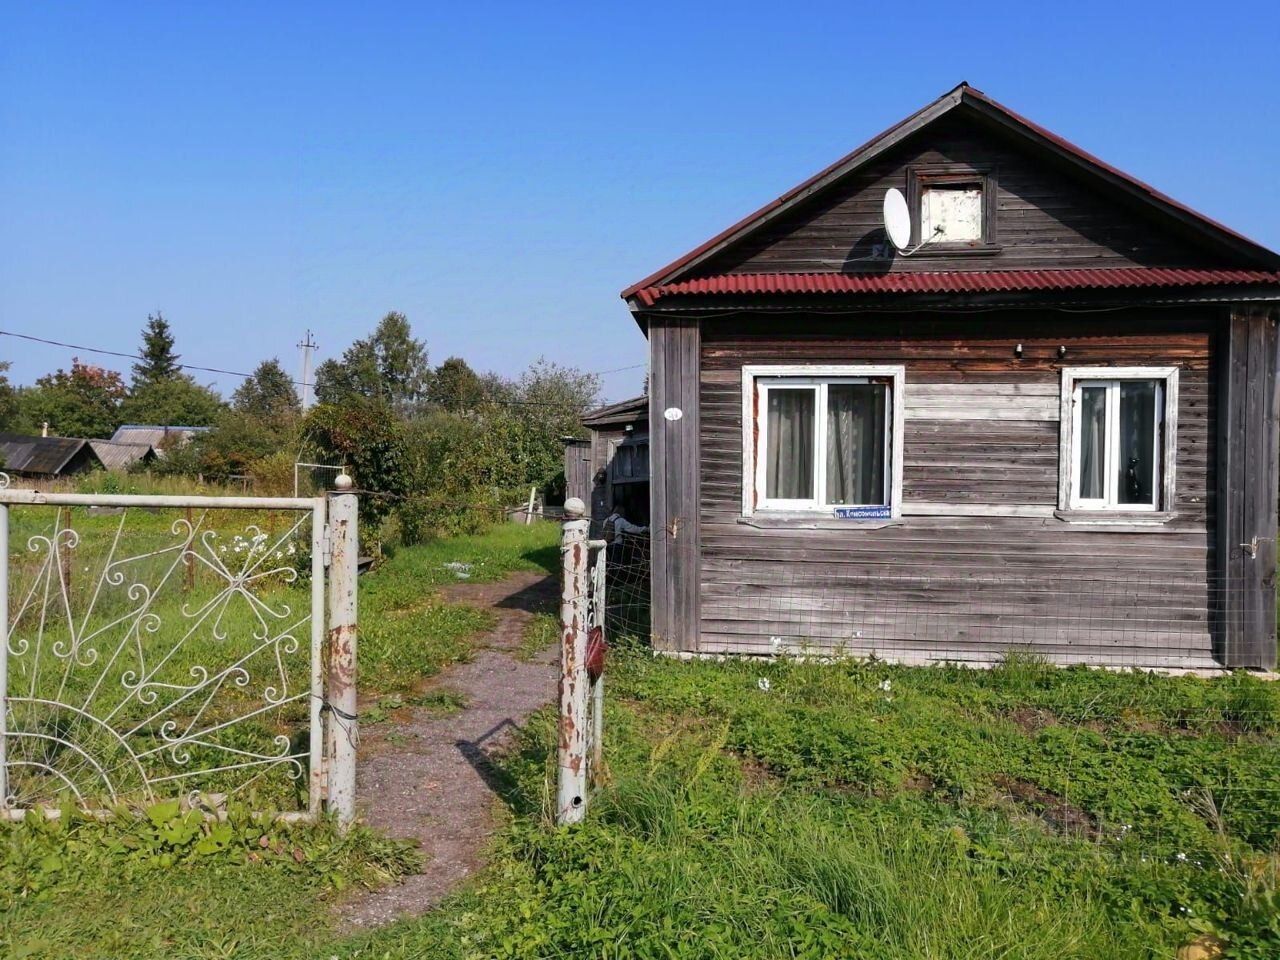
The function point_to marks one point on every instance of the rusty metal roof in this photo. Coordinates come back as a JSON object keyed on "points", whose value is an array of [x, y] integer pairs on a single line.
{"points": [[995, 281], [40, 455]]}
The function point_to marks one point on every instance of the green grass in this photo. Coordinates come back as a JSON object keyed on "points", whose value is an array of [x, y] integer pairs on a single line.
{"points": [[407, 632], [1023, 812], [852, 809], [135, 889]]}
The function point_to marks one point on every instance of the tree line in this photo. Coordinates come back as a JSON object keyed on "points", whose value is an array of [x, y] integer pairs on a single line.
{"points": [[439, 448]]}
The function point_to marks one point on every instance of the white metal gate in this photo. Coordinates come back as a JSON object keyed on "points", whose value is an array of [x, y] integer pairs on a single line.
{"points": [[160, 647]]}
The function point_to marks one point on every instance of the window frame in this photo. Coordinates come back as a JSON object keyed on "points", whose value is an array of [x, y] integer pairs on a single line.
{"points": [[921, 177], [755, 431], [1070, 448]]}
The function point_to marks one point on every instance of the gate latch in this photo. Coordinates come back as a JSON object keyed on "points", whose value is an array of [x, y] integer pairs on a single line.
{"points": [[1251, 548], [326, 545]]}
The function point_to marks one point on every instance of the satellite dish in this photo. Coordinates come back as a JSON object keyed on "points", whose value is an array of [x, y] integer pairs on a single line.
{"points": [[897, 218]]}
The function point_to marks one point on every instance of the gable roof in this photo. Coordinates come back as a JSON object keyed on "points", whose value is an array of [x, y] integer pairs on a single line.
{"points": [[42, 455], [116, 455], [966, 98]]}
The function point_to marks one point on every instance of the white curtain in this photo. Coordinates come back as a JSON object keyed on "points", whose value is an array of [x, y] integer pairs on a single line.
{"points": [[1093, 442], [789, 458], [856, 443]]}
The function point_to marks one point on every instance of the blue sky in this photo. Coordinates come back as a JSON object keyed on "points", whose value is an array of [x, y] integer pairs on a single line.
{"points": [[499, 172]]}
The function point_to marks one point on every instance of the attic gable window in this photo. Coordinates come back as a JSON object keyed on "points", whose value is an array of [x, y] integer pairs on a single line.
{"points": [[952, 209]]}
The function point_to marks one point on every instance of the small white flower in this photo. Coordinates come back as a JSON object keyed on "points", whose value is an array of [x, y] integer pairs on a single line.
{"points": [[763, 684], [886, 686], [1182, 857]]}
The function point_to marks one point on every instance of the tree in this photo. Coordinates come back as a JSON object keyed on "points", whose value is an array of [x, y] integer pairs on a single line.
{"points": [[9, 402], [365, 435], [158, 361], [390, 365], [268, 394], [174, 402], [454, 385], [82, 403]]}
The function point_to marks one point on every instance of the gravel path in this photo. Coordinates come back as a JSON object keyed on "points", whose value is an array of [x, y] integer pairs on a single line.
{"points": [[423, 776]]}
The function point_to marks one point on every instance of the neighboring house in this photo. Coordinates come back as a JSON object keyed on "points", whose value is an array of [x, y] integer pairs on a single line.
{"points": [[25, 456], [1051, 426], [159, 438], [611, 469], [116, 455]]}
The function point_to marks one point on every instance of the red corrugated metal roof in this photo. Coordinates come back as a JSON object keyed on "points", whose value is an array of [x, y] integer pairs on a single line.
{"points": [[995, 281]]}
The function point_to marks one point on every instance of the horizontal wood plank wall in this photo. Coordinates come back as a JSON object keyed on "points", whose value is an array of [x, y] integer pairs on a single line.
{"points": [[1044, 219], [964, 588], [1248, 479], [674, 487]]}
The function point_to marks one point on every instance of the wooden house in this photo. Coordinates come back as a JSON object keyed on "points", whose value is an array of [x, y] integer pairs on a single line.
{"points": [[610, 469], [1050, 423]]}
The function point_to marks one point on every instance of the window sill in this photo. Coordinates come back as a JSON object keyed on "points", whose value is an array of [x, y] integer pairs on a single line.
{"points": [[793, 520], [1144, 519]]}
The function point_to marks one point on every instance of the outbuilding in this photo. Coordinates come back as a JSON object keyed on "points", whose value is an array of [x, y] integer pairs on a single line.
{"points": [[1045, 420]]}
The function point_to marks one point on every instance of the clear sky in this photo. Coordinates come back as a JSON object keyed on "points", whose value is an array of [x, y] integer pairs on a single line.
{"points": [[499, 172]]}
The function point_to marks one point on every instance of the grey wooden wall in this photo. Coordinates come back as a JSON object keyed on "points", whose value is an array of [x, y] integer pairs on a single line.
{"points": [[1248, 458], [980, 565], [674, 456]]}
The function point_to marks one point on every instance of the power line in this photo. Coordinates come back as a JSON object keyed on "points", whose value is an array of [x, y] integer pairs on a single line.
{"points": [[296, 383]]}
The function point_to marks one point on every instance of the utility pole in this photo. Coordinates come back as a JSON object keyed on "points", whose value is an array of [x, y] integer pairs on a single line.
{"points": [[306, 346]]}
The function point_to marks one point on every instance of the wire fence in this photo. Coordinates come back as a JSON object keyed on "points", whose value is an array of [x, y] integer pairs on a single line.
{"points": [[1105, 711], [1077, 610]]}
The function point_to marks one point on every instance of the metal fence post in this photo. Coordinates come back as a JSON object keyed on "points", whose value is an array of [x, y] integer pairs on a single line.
{"points": [[600, 575], [340, 681], [571, 759], [4, 648]]}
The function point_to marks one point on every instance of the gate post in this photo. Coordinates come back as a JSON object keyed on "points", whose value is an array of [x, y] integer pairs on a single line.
{"points": [[340, 681], [4, 647], [571, 755]]}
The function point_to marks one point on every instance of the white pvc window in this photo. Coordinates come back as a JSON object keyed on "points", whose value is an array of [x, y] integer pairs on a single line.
{"points": [[1121, 444], [821, 442]]}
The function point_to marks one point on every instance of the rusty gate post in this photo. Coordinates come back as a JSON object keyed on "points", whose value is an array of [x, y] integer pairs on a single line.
{"points": [[340, 680], [571, 755]]}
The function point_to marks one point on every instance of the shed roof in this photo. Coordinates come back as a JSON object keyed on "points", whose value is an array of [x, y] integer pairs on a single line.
{"points": [[1243, 251], [624, 411], [42, 455]]}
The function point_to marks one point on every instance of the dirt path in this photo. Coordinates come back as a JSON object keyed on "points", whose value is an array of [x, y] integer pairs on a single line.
{"points": [[424, 776]]}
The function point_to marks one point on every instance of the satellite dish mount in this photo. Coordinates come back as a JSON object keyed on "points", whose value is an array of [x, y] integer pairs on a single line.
{"points": [[897, 222]]}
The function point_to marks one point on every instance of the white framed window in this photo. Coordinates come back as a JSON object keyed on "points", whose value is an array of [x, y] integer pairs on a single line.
{"points": [[821, 437], [1119, 438]]}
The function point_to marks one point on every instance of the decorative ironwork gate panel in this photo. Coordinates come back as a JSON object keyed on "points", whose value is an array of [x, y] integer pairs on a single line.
{"points": [[160, 647]]}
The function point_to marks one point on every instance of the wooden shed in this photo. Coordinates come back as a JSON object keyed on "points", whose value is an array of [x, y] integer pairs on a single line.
{"points": [[1048, 424], [610, 469]]}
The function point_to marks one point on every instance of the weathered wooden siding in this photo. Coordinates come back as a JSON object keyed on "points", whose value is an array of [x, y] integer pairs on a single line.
{"points": [[1044, 218], [1247, 482], [981, 437], [674, 457], [577, 470]]}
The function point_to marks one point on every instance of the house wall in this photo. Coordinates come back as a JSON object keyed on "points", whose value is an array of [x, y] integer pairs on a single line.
{"points": [[979, 564]]}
